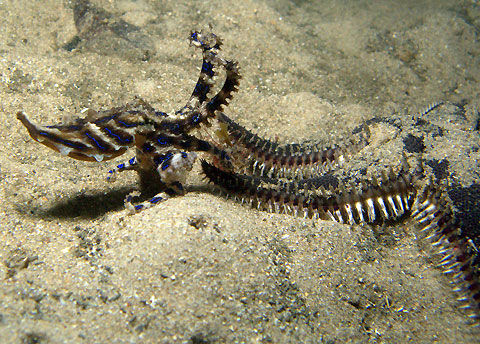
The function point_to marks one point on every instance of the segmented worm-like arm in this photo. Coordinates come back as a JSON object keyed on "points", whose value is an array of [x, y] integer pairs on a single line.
{"points": [[263, 157]]}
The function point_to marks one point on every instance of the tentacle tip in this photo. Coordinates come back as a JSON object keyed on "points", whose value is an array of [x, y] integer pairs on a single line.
{"points": [[22, 117], [32, 128]]}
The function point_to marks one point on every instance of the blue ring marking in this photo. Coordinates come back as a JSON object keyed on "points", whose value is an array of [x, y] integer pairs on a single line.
{"points": [[184, 155], [166, 160], [128, 125], [224, 155], [163, 140], [207, 68], [65, 142], [158, 160], [96, 142], [165, 165], [196, 118], [127, 140], [161, 113], [172, 126], [155, 200], [212, 101], [132, 161], [121, 166], [201, 89], [195, 37], [138, 206]]}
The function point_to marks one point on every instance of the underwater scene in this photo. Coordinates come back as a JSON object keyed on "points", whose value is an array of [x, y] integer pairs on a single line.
{"points": [[240, 171]]}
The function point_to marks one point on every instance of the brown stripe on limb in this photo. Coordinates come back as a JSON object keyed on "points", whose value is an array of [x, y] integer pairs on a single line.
{"points": [[230, 86], [455, 254], [100, 135], [262, 157], [389, 199], [81, 143]]}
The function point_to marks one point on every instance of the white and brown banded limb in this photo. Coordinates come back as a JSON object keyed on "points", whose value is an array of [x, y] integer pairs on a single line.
{"points": [[390, 199], [265, 158]]}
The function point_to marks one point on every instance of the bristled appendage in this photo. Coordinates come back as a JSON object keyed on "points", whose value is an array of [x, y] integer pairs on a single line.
{"points": [[278, 178]]}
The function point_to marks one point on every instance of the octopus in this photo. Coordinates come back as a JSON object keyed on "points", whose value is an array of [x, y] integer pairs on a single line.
{"points": [[283, 178]]}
